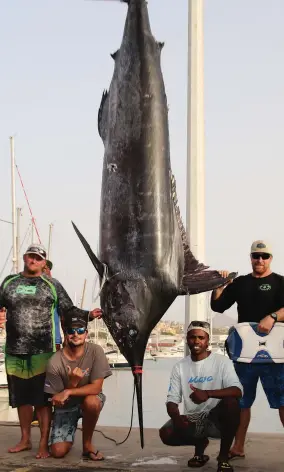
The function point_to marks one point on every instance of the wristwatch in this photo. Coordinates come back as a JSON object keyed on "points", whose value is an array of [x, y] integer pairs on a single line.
{"points": [[274, 316]]}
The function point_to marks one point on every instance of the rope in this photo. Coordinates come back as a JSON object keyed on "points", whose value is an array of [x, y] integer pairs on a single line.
{"points": [[131, 422], [31, 213]]}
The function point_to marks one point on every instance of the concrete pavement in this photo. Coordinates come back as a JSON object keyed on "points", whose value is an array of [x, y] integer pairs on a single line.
{"points": [[263, 453]]}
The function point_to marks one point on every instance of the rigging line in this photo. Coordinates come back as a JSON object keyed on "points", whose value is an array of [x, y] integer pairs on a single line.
{"points": [[27, 233], [6, 262], [8, 257], [5, 221], [25, 193]]}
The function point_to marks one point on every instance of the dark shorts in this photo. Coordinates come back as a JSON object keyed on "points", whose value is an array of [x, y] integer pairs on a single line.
{"points": [[65, 421], [26, 378], [271, 377], [208, 427]]}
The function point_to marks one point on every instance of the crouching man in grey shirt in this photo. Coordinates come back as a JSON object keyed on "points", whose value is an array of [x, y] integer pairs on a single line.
{"points": [[74, 381], [210, 389]]}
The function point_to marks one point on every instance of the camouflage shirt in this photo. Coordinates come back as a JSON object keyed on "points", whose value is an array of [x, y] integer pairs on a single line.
{"points": [[30, 304]]}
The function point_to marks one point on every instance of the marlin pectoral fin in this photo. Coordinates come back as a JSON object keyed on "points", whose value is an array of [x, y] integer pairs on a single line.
{"points": [[96, 262], [204, 281], [102, 115]]}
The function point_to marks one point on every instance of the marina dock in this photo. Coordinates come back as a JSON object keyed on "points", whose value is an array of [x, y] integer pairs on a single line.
{"points": [[264, 453]]}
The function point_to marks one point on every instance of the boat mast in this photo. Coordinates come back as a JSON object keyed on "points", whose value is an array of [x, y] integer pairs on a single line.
{"points": [[13, 194], [83, 294], [49, 240], [195, 307]]}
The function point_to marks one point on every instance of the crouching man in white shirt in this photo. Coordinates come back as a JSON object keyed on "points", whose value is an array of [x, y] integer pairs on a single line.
{"points": [[210, 389]]}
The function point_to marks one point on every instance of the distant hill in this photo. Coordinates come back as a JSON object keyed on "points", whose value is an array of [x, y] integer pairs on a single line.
{"points": [[220, 321]]}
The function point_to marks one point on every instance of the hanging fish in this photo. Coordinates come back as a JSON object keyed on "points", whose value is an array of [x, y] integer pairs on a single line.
{"points": [[144, 259]]}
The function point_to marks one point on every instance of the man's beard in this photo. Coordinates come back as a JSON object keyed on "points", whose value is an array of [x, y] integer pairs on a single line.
{"points": [[31, 271], [75, 346]]}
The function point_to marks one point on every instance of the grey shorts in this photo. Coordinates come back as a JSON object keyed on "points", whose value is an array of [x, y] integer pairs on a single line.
{"points": [[65, 421]]}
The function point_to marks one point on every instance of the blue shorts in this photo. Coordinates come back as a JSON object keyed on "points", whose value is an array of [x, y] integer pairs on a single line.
{"points": [[65, 421], [271, 377]]}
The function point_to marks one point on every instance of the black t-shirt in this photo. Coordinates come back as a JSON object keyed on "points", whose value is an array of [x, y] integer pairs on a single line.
{"points": [[255, 297]]}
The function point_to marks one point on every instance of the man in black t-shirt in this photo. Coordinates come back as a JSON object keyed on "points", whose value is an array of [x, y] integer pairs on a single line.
{"points": [[260, 298]]}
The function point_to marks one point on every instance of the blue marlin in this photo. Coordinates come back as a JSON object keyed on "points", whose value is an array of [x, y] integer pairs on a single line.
{"points": [[144, 259]]}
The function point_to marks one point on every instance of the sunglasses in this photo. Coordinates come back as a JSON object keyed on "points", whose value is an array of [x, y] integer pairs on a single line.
{"points": [[257, 255], [200, 324], [76, 330], [36, 250]]}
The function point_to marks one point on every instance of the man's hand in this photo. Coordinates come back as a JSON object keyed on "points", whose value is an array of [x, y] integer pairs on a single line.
{"points": [[218, 291], [96, 313], [75, 376], [225, 274], [198, 396], [2, 317], [180, 422], [60, 398], [266, 324]]}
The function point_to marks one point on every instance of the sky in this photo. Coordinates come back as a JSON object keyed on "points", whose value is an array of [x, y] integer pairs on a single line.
{"points": [[55, 63]]}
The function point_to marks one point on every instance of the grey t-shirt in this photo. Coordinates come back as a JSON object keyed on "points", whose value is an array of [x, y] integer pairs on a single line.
{"points": [[57, 377]]}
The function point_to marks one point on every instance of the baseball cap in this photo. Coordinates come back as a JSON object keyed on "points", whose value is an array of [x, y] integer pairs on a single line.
{"points": [[260, 246], [49, 264], [37, 249], [203, 325], [77, 320]]}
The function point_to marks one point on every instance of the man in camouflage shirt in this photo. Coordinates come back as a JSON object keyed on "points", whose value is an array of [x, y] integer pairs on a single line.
{"points": [[30, 299]]}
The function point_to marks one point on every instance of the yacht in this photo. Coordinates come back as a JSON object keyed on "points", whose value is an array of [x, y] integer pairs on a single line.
{"points": [[116, 360]]}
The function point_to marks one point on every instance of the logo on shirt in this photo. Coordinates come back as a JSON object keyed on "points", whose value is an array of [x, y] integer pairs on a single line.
{"points": [[265, 287], [26, 290], [200, 379]]}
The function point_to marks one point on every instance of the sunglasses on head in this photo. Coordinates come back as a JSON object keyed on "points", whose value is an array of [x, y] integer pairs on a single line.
{"points": [[200, 324], [263, 255], [37, 250], [76, 330]]}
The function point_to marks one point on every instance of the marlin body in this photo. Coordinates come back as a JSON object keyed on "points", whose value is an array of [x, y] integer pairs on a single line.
{"points": [[145, 261]]}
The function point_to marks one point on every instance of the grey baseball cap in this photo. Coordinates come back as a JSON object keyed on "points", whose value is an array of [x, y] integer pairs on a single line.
{"points": [[37, 249]]}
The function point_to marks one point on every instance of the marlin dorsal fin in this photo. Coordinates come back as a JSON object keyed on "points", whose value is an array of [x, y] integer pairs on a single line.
{"points": [[196, 279], [102, 115], [191, 264], [96, 262]]}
